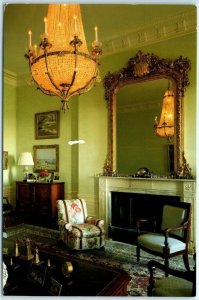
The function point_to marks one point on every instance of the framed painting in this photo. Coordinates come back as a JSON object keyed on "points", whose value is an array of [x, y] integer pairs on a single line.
{"points": [[47, 125], [5, 160], [37, 273], [55, 287], [46, 157]]}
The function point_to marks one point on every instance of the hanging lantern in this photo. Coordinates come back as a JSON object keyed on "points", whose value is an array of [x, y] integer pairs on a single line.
{"points": [[165, 127]]}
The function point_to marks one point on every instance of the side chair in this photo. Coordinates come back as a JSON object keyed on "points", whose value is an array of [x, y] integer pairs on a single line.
{"points": [[78, 230], [177, 284], [172, 238]]}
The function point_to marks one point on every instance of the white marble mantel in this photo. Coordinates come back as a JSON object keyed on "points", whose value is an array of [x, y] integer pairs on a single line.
{"points": [[184, 188]]}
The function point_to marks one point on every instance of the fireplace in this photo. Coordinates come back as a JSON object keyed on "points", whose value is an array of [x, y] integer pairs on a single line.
{"points": [[126, 193], [127, 208]]}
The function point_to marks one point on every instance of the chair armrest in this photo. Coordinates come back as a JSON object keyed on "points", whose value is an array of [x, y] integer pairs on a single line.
{"points": [[184, 225], [152, 265], [63, 225], [94, 221]]}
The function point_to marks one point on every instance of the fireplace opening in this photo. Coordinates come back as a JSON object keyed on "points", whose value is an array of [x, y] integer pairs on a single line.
{"points": [[127, 208]]}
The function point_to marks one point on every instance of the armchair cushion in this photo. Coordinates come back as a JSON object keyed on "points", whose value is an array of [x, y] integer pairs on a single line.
{"points": [[76, 211], [155, 242], [177, 284], [172, 287], [85, 230], [95, 221]]}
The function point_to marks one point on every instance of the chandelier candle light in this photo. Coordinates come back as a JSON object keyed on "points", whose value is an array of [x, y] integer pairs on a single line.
{"points": [[165, 128], [63, 66]]}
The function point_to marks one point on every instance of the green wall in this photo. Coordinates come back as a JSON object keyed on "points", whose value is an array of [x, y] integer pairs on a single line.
{"points": [[9, 133], [87, 119]]}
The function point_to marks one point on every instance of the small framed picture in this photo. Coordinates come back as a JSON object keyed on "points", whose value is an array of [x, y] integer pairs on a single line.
{"points": [[30, 177], [47, 125], [54, 287], [46, 157], [37, 273]]}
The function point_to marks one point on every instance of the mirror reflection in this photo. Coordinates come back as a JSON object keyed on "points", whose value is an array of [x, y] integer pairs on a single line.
{"points": [[145, 72], [137, 144]]}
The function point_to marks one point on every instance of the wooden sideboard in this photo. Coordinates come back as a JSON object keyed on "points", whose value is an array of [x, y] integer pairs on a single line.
{"points": [[36, 201]]}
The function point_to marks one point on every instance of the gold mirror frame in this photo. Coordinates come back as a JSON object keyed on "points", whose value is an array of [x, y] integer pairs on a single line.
{"points": [[144, 67]]}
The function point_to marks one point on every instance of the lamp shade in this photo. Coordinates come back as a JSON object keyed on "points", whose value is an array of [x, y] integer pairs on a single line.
{"points": [[25, 159]]}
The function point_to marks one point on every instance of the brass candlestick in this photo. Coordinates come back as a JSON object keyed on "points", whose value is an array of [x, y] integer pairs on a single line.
{"points": [[37, 260], [17, 249], [29, 254]]}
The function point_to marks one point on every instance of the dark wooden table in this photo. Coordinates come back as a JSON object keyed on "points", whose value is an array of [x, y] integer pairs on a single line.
{"points": [[87, 278]]}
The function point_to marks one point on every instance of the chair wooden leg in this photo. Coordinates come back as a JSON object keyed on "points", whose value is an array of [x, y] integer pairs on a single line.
{"points": [[138, 253], [166, 262], [186, 261]]}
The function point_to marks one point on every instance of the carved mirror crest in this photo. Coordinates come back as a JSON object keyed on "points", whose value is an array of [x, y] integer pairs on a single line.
{"points": [[143, 68]]}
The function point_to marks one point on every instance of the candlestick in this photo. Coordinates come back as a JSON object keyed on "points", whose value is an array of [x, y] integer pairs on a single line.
{"points": [[46, 26], [96, 33], [16, 249], [37, 260], [75, 24], [30, 38]]}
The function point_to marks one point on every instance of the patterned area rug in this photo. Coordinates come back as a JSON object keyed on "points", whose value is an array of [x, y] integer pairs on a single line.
{"points": [[116, 254]]}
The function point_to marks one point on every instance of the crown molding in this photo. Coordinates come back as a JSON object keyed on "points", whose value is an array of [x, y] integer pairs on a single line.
{"points": [[10, 77], [136, 107], [15, 80], [162, 30], [171, 27]]}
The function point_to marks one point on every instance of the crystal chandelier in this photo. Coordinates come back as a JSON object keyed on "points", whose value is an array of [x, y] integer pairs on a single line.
{"points": [[165, 128], [63, 66]]}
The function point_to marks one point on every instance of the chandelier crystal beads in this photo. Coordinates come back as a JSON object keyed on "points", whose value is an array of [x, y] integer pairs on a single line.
{"points": [[63, 66]]}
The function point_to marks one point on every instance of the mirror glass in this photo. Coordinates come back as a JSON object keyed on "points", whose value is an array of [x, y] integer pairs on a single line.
{"points": [[135, 95], [137, 145]]}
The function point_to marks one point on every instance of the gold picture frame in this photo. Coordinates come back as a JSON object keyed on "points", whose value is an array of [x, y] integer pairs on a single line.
{"points": [[47, 125], [46, 157]]}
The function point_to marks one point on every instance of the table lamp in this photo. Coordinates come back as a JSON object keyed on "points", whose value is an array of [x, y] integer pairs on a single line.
{"points": [[25, 159]]}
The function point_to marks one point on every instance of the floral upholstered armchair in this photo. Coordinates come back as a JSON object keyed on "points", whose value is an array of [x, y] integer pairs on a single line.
{"points": [[78, 230]]}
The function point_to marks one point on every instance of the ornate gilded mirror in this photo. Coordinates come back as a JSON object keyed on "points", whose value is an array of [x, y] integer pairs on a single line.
{"points": [[148, 75]]}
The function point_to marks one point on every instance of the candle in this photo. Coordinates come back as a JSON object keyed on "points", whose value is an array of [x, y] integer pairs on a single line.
{"points": [[30, 38], [35, 46], [96, 34], [45, 21], [75, 24]]}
